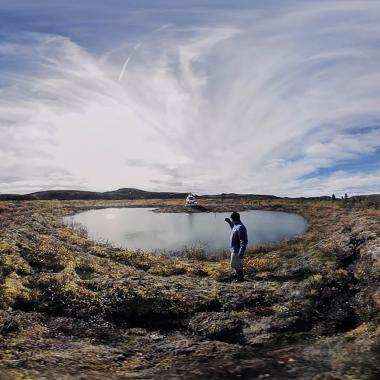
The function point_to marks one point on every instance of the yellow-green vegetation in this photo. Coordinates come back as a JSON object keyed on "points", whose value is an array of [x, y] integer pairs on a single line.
{"points": [[72, 308]]}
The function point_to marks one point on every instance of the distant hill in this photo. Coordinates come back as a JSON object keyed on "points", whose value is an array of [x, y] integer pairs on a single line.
{"points": [[240, 196], [125, 193], [132, 193]]}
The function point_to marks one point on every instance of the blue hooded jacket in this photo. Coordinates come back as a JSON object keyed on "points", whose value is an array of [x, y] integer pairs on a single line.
{"points": [[238, 239]]}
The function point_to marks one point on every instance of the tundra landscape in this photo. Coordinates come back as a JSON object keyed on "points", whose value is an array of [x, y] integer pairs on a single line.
{"points": [[72, 308], [189, 189]]}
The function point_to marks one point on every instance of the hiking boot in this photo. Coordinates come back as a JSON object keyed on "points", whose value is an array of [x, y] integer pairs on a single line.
{"points": [[239, 276]]}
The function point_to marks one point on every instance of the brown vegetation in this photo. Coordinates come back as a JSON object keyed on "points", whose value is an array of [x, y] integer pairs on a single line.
{"points": [[71, 308]]}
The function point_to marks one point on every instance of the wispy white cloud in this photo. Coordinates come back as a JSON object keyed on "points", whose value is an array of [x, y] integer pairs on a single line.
{"points": [[257, 102], [343, 182]]}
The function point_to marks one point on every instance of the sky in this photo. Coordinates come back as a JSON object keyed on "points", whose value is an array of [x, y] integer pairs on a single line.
{"points": [[266, 97]]}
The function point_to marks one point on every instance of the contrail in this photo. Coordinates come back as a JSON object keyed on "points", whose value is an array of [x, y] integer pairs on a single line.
{"points": [[136, 47], [127, 61]]}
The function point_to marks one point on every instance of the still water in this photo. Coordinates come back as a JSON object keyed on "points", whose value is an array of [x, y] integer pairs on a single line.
{"points": [[140, 228]]}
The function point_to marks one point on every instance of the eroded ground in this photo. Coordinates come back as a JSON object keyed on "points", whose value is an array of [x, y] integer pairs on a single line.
{"points": [[74, 309]]}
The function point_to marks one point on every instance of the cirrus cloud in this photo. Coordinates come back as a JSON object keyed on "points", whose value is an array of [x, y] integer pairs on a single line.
{"points": [[260, 99]]}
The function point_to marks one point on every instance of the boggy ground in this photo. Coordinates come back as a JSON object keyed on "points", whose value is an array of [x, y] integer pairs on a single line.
{"points": [[75, 309]]}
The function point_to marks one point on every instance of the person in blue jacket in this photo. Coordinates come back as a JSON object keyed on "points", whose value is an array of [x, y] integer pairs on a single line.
{"points": [[238, 244]]}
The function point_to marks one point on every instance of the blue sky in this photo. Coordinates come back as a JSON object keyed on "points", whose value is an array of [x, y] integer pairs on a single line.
{"points": [[205, 96]]}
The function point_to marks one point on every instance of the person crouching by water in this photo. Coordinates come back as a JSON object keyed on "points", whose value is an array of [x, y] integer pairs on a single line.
{"points": [[238, 244]]}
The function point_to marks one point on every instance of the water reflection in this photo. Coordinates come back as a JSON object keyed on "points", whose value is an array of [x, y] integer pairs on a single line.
{"points": [[140, 228]]}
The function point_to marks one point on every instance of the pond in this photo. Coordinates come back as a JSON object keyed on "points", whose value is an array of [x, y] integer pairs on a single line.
{"points": [[140, 228]]}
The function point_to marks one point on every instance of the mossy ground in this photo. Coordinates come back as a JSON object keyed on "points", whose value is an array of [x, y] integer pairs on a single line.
{"points": [[74, 309]]}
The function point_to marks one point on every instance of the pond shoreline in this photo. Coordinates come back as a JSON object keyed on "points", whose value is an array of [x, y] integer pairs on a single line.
{"points": [[177, 231]]}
